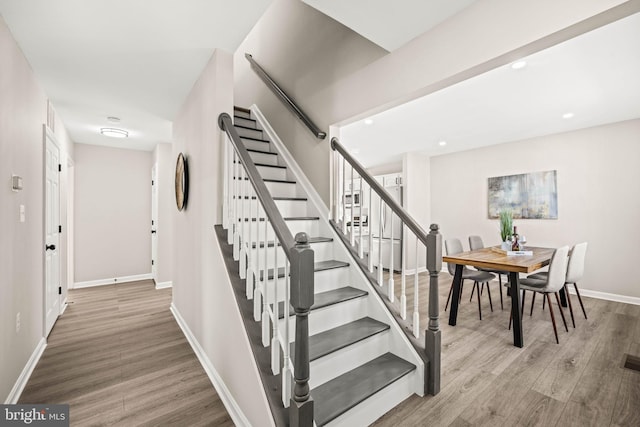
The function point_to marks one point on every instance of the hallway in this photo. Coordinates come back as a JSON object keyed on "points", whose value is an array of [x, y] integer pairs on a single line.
{"points": [[118, 357]]}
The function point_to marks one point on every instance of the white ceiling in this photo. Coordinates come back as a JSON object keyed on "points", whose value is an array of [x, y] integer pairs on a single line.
{"points": [[390, 24], [594, 76], [132, 59]]}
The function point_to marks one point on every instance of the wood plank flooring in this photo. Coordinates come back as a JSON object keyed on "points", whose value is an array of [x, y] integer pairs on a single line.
{"points": [[118, 357], [488, 381]]}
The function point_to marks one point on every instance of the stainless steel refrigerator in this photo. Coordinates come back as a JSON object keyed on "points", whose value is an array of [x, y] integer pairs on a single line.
{"points": [[391, 229]]}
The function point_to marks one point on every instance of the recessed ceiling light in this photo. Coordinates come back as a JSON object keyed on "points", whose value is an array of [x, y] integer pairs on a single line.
{"points": [[113, 119], [567, 115], [442, 143], [114, 133], [518, 65], [368, 121]]}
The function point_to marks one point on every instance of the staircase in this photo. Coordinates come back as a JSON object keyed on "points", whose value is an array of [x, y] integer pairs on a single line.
{"points": [[361, 362]]}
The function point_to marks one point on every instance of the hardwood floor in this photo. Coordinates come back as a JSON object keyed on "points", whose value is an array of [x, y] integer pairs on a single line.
{"points": [[118, 357], [488, 381]]}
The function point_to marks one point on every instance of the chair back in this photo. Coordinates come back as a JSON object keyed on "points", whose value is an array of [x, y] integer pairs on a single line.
{"points": [[557, 269], [452, 247], [575, 267], [475, 242]]}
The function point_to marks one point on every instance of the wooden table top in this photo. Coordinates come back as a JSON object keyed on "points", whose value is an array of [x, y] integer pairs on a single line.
{"points": [[496, 259]]}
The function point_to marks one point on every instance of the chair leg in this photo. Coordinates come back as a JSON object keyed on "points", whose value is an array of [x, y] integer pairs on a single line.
{"points": [[561, 312], [575, 285], [553, 319], [510, 318], [500, 282], [473, 291], [449, 297], [478, 295], [543, 301], [566, 292], [489, 293], [461, 288], [522, 308], [533, 301]]}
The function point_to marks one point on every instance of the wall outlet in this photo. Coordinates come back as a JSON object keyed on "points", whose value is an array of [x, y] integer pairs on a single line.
{"points": [[17, 323]]}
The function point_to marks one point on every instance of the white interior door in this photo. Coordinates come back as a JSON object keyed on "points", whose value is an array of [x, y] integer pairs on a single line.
{"points": [[154, 222], [52, 232]]}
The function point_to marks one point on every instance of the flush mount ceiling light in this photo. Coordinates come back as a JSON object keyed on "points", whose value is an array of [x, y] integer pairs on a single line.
{"points": [[114, 133], [519, 65], [442, 143], [567, 115], [368, 121]]}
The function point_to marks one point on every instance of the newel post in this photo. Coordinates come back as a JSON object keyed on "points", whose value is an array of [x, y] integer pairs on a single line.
{"points": [[433, 337], [302, 289]]}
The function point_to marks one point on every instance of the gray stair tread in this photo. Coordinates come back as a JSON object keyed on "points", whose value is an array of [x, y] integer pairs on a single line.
{"points": [[343, 336], [242, 109], [295, 199], [288, 218], [337, 396], [285, 181], [243, 118], [253, 138], [312, 240], [325, 299], [318, 266], [244, 127]]}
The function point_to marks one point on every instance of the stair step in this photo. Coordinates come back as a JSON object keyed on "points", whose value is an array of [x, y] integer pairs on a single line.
{"points": [[328, 298], [312, 240], [241, 112], [291, 218], [251, 150], [284, 181], [255, 139], [318, 266], [343, 336], [297, 199], [340, 394]]}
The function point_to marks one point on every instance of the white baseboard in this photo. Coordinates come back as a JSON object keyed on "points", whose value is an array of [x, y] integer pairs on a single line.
{"points": [[605, 296], [18, 387], [64, 306], [112, 280], [163, 285], [236, 414]]}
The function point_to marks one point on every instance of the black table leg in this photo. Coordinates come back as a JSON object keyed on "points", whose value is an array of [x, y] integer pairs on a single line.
{"points": [[516, 311], [455, 298], [563, 297]]}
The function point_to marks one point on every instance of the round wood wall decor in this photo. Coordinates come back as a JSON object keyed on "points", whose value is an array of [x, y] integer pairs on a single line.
{"points": [[182, 182]]}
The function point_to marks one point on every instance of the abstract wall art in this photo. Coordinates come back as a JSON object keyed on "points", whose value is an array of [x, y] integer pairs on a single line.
{"points": [[529, 196]]}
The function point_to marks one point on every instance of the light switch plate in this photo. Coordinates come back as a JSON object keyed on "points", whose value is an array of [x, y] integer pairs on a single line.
{"points": [[16, 183]]}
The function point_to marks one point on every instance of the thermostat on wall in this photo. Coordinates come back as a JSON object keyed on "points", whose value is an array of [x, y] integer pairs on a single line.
{"points": [[16, 182]]}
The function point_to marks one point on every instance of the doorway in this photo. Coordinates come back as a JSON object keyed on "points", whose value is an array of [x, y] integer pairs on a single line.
{"points": [[52, 228], [154, 222]]}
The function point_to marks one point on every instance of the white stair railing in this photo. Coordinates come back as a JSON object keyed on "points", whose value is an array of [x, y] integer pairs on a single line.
{"points": [[351, 182], [265, 248]]}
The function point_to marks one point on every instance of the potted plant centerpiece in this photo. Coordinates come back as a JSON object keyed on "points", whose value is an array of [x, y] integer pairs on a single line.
{"points": [[506, 225]]}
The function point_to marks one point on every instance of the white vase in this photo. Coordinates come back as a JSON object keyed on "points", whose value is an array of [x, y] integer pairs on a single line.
{"points": [[506, 246]]}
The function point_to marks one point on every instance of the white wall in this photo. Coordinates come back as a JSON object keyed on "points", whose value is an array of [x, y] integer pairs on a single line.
{"points": [[112, 213], [23, 111], [202, 292], [598, 197], [416, 180], [163, 158], [337, 76]]}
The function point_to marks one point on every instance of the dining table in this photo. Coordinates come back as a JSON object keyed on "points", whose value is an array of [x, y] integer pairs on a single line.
{"points": [[494, 258]]}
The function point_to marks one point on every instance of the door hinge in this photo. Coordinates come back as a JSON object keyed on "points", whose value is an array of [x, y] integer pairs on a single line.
{"points": [[59, 167], [152, 262], [59, 290], [152, 182], [59, 229]]}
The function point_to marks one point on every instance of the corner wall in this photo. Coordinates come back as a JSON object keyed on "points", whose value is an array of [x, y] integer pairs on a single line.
{"points": [[23, 111], [598, 197], [202, 292]]}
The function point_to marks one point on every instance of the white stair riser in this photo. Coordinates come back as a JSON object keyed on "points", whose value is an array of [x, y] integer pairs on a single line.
{"points": [[272, 173], [283, 189], [254, 230], [332, 316], [311, 227], [321, 251], [267, 159], [287, 208], [244, 122], [241, 113], [337, 363], [256, 145], [370, 410], [251, 133]]}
